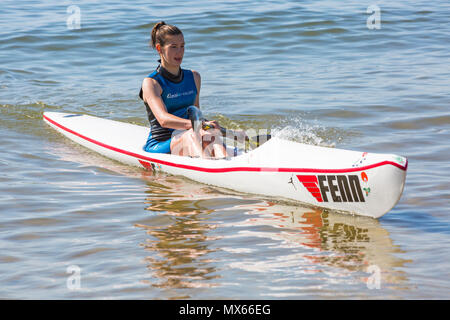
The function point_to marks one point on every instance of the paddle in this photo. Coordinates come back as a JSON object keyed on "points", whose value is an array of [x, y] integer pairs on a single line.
{"points": [[198, 121]]}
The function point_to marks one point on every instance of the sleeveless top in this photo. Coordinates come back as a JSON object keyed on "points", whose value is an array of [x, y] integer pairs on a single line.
{"points": [[177, 97]]}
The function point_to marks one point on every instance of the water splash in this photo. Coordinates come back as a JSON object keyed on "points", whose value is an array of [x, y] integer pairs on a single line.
{"points": [[304, 131]]}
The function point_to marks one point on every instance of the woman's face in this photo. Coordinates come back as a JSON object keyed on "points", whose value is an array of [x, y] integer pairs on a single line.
{"points": [[173, 50]]}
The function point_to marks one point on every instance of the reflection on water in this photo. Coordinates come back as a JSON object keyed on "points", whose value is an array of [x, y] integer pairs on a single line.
{"points": [[178, 248], [188, 242], [348, 243], [179, 253]]}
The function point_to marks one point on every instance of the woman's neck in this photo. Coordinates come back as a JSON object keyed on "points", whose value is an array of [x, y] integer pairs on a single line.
{"points": [[174, 75], [174, 70]]}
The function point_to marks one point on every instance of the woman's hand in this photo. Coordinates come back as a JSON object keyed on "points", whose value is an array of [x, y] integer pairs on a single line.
{"points": [[213, 124], [241, 135]]}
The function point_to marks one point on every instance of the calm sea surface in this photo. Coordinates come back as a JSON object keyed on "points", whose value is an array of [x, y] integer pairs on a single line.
{"points": [[74, 224]]}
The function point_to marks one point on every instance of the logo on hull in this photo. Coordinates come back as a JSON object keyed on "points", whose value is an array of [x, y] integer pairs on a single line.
{"points": [[340, 188]]}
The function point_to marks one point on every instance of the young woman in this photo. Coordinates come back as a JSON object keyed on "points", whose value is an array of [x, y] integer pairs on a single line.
{"points": [[167, 93]]}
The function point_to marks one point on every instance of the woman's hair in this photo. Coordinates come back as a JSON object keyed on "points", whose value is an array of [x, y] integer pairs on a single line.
{"points": [[160, 32]]}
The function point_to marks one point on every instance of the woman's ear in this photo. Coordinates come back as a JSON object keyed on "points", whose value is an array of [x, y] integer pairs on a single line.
{"points": [[158, 48]]}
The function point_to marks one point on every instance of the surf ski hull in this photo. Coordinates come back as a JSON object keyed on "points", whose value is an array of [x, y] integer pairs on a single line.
{"points": [[367, 184]]}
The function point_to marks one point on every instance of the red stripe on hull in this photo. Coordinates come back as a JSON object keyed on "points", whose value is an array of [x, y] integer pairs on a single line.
{"points": [[223, 170]]}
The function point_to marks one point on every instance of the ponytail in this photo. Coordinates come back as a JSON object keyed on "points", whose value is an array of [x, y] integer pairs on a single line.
{"points": [[160, 32]]}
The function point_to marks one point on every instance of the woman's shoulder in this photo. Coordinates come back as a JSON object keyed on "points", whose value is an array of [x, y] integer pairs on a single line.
{"points": [[149, 81], [195, 74], [150, 84]]}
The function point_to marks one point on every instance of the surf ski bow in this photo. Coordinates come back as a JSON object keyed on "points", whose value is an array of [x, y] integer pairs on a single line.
{"points": [[367, 184]]}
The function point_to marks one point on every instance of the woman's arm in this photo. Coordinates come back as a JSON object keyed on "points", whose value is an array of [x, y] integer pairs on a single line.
{"points": [[151, 92], [198, 83]]}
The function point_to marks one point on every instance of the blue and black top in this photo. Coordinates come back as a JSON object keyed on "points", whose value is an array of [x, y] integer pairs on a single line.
{"points": [[177, 95]]}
